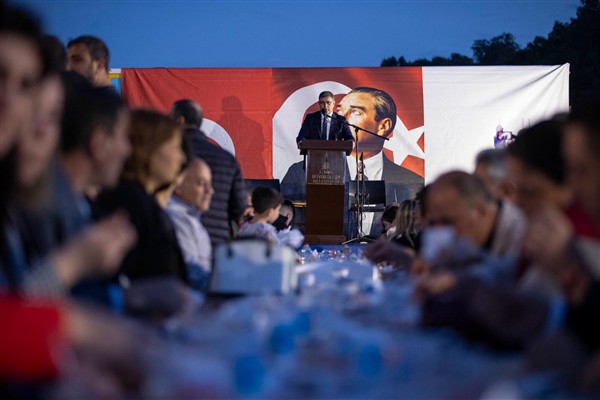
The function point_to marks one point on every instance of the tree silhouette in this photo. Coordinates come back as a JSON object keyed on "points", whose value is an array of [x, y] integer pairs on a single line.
{"points": [[576, 42], [496, 51]]}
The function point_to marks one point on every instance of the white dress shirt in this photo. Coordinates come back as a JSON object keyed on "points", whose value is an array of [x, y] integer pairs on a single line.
{"points": [[192, 237], [373, 170]]}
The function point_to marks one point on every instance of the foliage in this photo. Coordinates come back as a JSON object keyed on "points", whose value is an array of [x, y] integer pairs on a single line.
{"points": [[576, 42], [495, 51]]}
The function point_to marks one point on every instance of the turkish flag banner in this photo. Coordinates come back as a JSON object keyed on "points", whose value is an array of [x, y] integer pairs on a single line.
{"points": [[256, 113], [237, 110]]}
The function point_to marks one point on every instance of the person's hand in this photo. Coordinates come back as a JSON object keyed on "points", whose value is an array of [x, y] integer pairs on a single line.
{"points": [[420, 267], [546, 241], [97, 251], [437, 283], [157, 298], [384, 251]]}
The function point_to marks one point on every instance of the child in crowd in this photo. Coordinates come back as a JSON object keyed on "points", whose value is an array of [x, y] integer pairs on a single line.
{"points": [[286, 216], [267, 204]]}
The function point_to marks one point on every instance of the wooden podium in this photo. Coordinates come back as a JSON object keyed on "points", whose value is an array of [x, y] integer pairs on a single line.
{"points": [[325, 190]]}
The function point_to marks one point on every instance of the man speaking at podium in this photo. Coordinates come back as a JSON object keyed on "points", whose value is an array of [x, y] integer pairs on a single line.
{"points": [[325, 124]]}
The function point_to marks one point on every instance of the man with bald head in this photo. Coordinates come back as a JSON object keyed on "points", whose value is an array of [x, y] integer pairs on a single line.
{"points": [[460, 201], [191, 198], [230, 199]]}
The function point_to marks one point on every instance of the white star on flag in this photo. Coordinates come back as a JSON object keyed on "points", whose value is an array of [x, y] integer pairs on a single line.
{"points": [[403, 142]]}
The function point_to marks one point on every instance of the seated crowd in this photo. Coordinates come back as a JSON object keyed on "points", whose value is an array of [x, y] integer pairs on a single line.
{"points": [[107, 211]]}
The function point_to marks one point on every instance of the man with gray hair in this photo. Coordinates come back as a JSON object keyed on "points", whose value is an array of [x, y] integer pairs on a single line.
{"points": [[460, 201], [490, 167]]}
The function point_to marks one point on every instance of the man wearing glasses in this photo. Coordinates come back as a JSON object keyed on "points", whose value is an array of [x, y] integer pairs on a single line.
{"points": [[325, 124]]}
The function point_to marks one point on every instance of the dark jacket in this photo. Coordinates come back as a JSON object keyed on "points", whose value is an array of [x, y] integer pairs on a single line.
{"points": [[312, 125], [229, 200], [157, 251]]}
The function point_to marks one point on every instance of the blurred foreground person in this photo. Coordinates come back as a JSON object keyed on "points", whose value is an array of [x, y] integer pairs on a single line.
{"points": [[460, 201], [564, 323], [491, 168], [407, 230], [94, 147], [164, 193], [68, 350], [56, 51], [38, 335], [486, 301], [574, 259], [459, 208], [155, 161], [538, 171], [27, 133]]}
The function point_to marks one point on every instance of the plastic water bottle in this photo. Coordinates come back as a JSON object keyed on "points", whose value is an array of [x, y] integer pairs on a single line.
{"points": [[305, 254], [249, 374]]}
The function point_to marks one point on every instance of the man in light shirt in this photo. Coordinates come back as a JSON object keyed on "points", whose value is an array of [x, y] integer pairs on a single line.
{"points": [[190, 199]]}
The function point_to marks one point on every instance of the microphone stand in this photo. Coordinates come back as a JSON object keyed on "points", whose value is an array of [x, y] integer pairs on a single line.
{"points": [[359, 194]]}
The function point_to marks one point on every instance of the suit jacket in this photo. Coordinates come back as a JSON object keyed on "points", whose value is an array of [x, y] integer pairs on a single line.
{"points": [[157, 251], [229, 200], [311, 128]]}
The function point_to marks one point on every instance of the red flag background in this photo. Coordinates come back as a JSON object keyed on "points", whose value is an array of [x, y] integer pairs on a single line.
{"points": [[244, 102]]}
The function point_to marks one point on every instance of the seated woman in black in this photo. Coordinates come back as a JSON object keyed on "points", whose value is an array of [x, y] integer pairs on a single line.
{"points": [[408, 230], [155, 160]]}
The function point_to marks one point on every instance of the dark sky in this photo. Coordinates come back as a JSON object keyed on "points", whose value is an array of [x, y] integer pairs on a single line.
{"points": [[284, 33]]}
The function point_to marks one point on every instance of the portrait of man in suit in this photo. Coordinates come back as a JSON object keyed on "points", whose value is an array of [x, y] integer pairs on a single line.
{"points": [[374, 110], [324, 124]]}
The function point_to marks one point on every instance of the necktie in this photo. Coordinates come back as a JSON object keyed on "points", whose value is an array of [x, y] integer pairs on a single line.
{"points": [[324, 129]]}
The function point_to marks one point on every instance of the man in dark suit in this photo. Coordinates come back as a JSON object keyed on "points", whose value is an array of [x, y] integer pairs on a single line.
{"points": [[325, 124], [374, 110]]}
